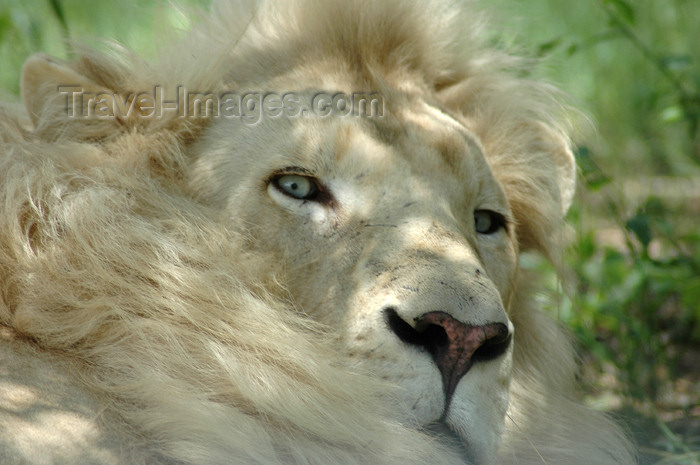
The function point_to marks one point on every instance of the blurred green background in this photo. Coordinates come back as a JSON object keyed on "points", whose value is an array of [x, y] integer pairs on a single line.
{"points": [[633, 67]]}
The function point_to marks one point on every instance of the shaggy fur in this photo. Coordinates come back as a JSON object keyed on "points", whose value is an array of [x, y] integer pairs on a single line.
{"points": [[129, 259]]}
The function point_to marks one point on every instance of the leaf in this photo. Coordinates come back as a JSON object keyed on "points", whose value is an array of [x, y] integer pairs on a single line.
{"points": [[592, 174], [672, 114], [586, 246], [548, 46], [691, 297], [595, 183], [5, 24], [677, 62], [623, 9], [60, 15], [571, 49], [639, 225], [653, 205]]}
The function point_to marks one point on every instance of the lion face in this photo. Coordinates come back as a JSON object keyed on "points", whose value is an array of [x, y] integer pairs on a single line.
{"points": [[395, 233]]}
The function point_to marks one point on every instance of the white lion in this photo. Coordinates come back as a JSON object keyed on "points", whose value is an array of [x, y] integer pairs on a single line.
{"points": [[293, 239]]}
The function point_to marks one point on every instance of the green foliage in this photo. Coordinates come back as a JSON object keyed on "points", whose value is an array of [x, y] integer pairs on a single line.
{"points": [[49, 26], [636, 309], [641, 297], [637, 301], [633, 65]]}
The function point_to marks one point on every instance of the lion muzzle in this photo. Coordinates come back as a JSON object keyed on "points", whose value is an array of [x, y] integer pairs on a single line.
{"points": [[455, 346]]}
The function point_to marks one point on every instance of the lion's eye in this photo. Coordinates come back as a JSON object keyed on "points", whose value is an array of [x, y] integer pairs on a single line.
{"points": [[297, 186], [488, 222]]}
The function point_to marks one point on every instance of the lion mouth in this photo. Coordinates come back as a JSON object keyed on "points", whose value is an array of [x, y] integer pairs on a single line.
{"points": [[449, 439]]}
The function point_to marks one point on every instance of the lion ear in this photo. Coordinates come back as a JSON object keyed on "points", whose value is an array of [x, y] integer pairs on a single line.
{"points": [[42, 78], [557, 149], [525, 134], [538, 172], [566, 174], [53, 91]]}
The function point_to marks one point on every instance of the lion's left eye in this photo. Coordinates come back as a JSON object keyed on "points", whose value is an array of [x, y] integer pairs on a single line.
{"points": [[488, 222], [297, 186]]}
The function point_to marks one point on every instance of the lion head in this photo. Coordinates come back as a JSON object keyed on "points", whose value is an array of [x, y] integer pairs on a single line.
{"points": [[395, 232], [333, 283]]}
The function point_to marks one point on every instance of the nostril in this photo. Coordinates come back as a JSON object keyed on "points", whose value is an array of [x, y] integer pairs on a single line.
{"points": [[496, 342], [429, 335], [454, 345]]}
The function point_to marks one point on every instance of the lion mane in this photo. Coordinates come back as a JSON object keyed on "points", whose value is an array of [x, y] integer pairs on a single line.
{"points": [[141, 326]]}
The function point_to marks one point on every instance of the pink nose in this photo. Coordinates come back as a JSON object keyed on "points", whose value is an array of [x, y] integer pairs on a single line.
{"points": [[454, 345]]}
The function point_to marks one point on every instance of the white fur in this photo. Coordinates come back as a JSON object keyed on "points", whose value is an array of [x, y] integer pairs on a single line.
{"points": [[215, 320]]}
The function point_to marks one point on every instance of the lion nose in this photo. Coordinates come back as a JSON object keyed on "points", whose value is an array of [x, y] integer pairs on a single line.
{"points": [[454, 345]]}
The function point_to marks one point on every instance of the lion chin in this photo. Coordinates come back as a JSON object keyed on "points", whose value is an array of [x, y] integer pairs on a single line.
{"points": [[292, 237]]}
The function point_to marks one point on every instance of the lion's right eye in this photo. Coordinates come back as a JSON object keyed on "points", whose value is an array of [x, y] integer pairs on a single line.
{"points": [[488, 222], [297, 186]]}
